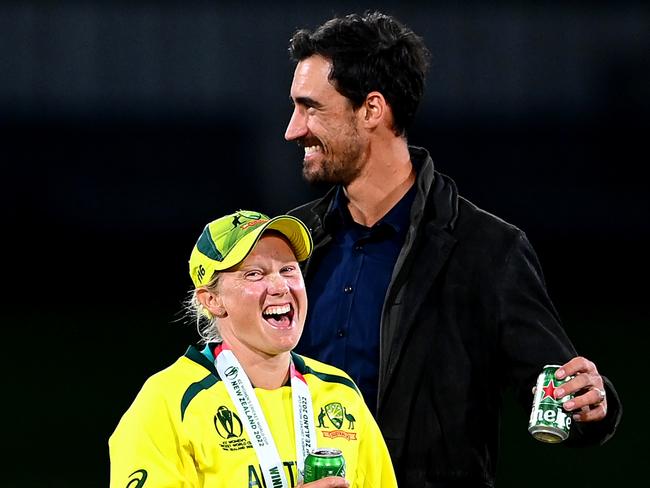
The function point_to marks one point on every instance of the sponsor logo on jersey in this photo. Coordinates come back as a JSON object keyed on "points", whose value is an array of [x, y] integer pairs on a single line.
{"points": [[337, 415], [227, 423], [139, 480], [229, 427]]}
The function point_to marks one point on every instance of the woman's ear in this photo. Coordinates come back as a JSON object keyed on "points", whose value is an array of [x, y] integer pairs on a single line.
{"points": [[212, 302]]}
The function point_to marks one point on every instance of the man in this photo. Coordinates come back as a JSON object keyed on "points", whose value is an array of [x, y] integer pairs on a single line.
{"points": [[421, 296]]}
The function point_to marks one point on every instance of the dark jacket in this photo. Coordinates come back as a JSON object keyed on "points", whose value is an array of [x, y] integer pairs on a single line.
{"points": [[466, 314]]}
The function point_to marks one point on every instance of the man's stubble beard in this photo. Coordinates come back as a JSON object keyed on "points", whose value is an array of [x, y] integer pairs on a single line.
{"points": [[341, 170]]}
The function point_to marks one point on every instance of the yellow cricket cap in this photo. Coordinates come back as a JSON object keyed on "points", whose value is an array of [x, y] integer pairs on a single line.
{"points": [[226, 241]]}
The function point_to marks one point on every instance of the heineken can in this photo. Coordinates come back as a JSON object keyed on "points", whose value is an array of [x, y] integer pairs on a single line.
{"points": [[549, 422], [324, 462]]}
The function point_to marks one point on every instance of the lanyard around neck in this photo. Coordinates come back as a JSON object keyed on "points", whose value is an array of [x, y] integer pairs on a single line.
{"points": [[248, 407]]}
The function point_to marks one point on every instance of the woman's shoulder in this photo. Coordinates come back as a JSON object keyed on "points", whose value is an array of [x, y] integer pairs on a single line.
{"points": [[172, 382], [322, 371]]}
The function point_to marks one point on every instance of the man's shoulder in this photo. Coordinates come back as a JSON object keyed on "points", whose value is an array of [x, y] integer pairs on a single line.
{"points": [[470, 214], [481, 233], [452, 211]]}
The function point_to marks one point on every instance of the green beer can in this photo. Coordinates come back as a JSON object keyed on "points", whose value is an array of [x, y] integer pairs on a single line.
{"points": [[549, 422], [324, 462]]}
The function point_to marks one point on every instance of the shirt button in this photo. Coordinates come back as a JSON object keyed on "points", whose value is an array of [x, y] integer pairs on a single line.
{"points": [[340, 333], [347, 289]]}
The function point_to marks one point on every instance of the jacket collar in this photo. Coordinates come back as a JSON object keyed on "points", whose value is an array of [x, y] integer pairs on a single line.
{"points": [[435, 186], [426, 176]]}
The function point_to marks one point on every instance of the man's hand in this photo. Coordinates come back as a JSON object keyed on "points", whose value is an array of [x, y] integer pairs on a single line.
{"points": [[590, 401]]}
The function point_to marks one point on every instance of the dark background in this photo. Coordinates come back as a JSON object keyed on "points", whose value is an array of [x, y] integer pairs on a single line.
{"points": [[127, 126]]}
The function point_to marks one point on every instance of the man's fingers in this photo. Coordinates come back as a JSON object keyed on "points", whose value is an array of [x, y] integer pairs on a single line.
{"points": [[591, 414]]}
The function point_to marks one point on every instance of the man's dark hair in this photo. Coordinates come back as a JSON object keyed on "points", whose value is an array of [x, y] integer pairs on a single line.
{"points": [[373, 52]]}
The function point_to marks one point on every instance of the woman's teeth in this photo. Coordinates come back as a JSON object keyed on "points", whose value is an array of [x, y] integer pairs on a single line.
{"points": [[277, 309]]}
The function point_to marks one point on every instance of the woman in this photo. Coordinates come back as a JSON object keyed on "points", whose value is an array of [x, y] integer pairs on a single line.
{"points": [[245, 411]]}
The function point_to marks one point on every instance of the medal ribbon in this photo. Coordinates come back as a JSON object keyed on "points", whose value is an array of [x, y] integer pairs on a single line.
{"points": [[248, 407], [303, 418]]}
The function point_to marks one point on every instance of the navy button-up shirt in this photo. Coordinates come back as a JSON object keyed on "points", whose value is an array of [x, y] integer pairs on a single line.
{"points": [[346, 288]]}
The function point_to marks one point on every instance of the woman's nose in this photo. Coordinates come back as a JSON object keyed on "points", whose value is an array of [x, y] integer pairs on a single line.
{"points": [[278, 285]]}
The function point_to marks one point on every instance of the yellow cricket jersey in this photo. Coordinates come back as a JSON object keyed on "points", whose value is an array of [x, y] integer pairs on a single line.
{"points": [[183, 430]]}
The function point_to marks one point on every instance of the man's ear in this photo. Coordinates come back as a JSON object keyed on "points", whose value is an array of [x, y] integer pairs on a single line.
{"points": [[375, 109], [212, 302]]}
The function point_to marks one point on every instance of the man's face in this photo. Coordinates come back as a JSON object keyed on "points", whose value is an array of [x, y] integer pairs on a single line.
{"points": [[325, 125]]}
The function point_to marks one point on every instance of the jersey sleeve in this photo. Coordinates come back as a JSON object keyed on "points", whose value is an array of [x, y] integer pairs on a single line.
{"points": [[147, 449], [375, 469]]}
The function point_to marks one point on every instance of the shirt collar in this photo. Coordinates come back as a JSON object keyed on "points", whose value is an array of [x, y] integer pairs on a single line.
{"points": [[338, 215], [397, 218]]}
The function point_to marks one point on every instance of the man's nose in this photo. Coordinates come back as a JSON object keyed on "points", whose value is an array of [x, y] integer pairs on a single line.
{"points": [[297, 127]]}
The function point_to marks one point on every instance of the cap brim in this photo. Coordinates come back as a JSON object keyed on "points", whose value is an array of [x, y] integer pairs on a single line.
{"points": [[290, 227], [294, 230]]}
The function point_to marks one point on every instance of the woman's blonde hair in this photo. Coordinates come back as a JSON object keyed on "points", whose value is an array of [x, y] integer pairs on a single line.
{"points": [[207, 325]]}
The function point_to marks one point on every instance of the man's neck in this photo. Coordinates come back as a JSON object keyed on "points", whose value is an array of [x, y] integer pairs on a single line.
{"points": [[386, 178]]}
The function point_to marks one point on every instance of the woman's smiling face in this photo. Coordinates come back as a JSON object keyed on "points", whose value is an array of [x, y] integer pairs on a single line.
{"points": [[264, 298]]}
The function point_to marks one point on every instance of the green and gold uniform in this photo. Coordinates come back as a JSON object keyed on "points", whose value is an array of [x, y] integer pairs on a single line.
{"points": [[183, 430]]}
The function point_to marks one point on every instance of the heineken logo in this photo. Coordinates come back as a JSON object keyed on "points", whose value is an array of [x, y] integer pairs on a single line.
{"points": [[549, 391], [552, 417], [548, 420]]}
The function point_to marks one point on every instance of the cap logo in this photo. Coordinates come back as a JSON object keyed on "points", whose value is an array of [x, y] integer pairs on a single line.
{"points": [[200, 273], [217, 241], [253, 223]]}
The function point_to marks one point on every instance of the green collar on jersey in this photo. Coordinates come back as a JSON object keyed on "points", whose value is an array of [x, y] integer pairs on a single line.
{"points": [[205, 358]]}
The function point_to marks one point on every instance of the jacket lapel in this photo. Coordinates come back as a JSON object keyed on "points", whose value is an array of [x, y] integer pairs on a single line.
{"points": [[425, 252], [410, 288]]}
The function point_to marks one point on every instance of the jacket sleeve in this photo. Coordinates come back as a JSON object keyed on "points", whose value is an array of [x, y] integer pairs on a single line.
{"points": [[146, 449], [375, 469], [532, 336]]}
